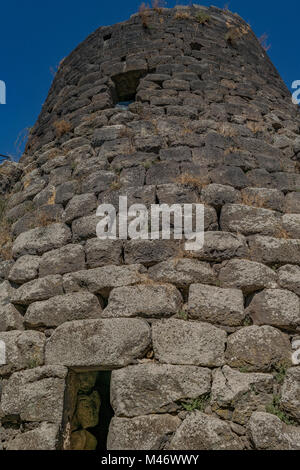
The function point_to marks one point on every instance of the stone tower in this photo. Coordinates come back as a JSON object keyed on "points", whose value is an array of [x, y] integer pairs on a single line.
{"points": [[139, 344]]}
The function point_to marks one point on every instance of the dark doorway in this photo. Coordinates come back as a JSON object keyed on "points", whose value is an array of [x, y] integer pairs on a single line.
{"points": [[106, 412]]}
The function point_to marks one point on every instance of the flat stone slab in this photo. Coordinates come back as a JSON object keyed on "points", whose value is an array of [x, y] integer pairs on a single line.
{"points": [[45, 437], [168, 384], [103, 344]]}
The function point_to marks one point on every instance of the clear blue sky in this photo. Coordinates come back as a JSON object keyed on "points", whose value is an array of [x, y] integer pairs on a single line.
{"points": [[35, 35]]}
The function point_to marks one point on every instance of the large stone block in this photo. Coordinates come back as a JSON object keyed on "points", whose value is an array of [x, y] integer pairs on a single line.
{"points": [[38, 289], [220, 246], [45, 437], [103, 252], [23, 349], [149, 252], [290, 397], [36, 395], [10, 317], [274, 250], [289, 278], [63, 308], [141, 433], [275, 307], [249, 220], [42, 239], [247, 275], [102, 280], [202, 432], [100, 344], [63, 260], [189, 343], [183, 272], [257, 348], [168, 384], [215, 305], [25, 269], [269, 433], [149, 301]]}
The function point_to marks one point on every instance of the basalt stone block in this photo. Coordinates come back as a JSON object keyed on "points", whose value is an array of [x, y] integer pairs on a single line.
{"points": [[63, 308], [38, 289], [102, 280], [289, 278], [10, 317], [247, 275], [269, 433], [36, 395], [163, 173], [98, 181], [290, 397], [258, 348], [42, 239], [176, 194], [79, 206], [229, 175], [100, 344], [291, 225], [145, 301], [141, 433], [202, 432], [188, 343], [63, 260], [5, 268], [84, 228], [149, 252], [215, 305], [103, 252], [217, 195], [24, 349], [275, 307], [243, 393], [45, 437], [168, 384], [249, 220], [183, 272], [292, 203], [263, 197], [220, 246], [274, 250], [25, 269]]}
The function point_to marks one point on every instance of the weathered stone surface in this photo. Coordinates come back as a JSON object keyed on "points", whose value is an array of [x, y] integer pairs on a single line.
{"points": [[290, 397], [289, 278], [103, 252], [291, 225], [215, 305], [149, 252], [80, 206], [243, 393], [275, 307], [292, 203], [168, 384], [42, 239], [63, 308], [202, 432], [249, 220], [258, 348], [263, 197], [274, 250], [45, 437], [10, 317], [36, 395], [102, 280], [217, 195], [220, 246], [182, 272], [269, 433], [84, 228], [149, 301], [63, 260], [141, 433], [23, 349], [25, 269], [247, 275], [38, 289], [5, 268], [83, 440], [103, 344], [190, 343]]}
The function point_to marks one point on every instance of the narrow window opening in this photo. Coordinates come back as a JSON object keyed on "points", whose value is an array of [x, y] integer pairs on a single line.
{"points": [[126, 85], [107, 37], [196, 46], [88, 411]]}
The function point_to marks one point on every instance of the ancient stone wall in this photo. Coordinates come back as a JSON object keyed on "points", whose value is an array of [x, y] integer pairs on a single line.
{"points": [[199, 343]]}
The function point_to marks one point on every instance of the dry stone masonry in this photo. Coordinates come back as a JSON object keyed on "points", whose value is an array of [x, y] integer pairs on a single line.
{"points": [[139, 344]]}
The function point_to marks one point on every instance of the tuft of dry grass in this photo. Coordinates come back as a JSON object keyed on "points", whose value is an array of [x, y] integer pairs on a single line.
{"points": [[227, 130], [186, 179], [235, 33], [144, 10], [203, 18], [182, 15], [62, 127], [263, 40]]}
